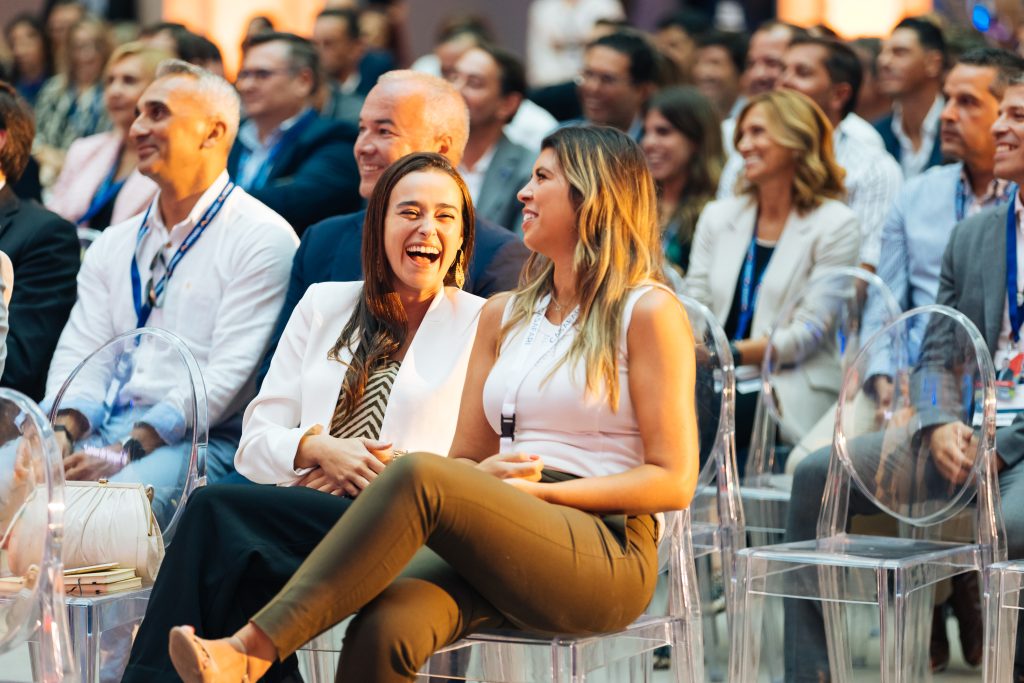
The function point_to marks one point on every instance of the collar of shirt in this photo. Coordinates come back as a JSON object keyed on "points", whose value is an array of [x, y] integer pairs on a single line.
{"points": [[248, 136], [929, 129], [171, 238], [474, 177], [350, 84], [997, 191]]}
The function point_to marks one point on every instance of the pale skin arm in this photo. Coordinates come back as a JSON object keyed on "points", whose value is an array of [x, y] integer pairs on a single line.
{"points": [[661, 384]]}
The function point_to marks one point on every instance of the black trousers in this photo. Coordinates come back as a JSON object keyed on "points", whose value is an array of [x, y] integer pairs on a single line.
{"points": [[235, 548]]}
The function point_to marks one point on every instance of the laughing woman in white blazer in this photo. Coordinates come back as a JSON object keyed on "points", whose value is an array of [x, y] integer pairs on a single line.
{"points": [[753, 252], [364, 371]]}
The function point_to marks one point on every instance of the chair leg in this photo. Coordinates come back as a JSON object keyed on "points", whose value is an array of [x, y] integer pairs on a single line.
{"points": [[832, 584], [1002, 612], [745, 645], [904, 629]]}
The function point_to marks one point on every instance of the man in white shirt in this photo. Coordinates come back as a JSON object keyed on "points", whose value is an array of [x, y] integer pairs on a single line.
{"points": [[910, 70], [220, 295], [492, 82]]}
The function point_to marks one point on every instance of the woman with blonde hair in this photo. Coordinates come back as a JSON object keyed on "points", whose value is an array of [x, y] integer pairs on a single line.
{"points": [[582, 383], [100, 184], [754, 252]]}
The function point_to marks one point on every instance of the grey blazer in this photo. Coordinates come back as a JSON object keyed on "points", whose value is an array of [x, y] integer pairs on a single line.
{"points": [[509, 171], [973, 281]]}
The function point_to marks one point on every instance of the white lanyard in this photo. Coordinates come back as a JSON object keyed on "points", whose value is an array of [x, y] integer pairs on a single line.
{"points": [[508, 406]]}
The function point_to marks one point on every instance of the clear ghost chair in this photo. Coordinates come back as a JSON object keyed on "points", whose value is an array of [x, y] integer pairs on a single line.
{"points": [[115, 386], [517, 657], [1003, 611], [32, 616], [882, 461]]}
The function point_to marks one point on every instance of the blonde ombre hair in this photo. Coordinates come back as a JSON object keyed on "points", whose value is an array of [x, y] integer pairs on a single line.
{"points": [[150, 57], [617, 250], [797, 123]]}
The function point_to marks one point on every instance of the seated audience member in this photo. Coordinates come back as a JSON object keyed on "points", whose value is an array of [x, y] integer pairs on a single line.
{"points": [[683, 147], [872, 103], [677, 38], [754, 252], [185, 45], [30, 49], [492, 82], [620, 73], [286, 155], [973, 280], [719, 64], [605, 459], [60, 17], [910, 70], [70, 105], [369, 356], [393, 124], [44, 250], [340, 48], [214, 262], [914, 237], [100, 184]]}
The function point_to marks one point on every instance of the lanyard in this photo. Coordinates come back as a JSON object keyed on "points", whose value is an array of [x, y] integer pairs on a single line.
{"points": [[145, 301], [748, 291], [1013, 296], [961, 199], [508, 406], [104, 194], [254, 181]]}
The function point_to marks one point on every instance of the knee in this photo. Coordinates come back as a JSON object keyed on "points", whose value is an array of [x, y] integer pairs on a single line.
{"points": [[415, 470]]}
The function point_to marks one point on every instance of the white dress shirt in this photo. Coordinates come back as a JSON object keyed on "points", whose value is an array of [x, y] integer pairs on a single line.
{"points": [[474, 177], [222, 301], [914, 161], [1005, 348]]}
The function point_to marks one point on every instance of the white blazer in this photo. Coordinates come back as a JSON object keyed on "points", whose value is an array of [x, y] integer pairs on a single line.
{"points": [[825, 237], [302, 386]]}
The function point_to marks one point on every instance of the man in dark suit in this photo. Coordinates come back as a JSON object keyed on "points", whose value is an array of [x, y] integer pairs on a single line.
{"points": [[493, 83], [44, 250], [973, 280], [911, 67], [286, 155], [405, 112]]}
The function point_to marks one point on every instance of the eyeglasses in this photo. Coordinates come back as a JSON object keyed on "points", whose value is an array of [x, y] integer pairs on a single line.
{"points": [[260, 74], [603, 80]]}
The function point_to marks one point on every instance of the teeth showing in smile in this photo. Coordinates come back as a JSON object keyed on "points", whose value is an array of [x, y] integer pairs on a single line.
{"points": [[423, 252]]}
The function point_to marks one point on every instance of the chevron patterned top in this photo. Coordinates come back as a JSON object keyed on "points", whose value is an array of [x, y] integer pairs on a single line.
{"points": [[365, 421]]}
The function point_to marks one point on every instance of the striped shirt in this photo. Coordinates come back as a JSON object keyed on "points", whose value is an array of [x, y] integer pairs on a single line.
{"points": [[366, 419]]}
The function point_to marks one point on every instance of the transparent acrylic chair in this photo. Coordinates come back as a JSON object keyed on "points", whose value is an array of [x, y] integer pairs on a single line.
{"points": [[115, 386], [32, 613], [716, 512], [1003, 610], [882, 461]]}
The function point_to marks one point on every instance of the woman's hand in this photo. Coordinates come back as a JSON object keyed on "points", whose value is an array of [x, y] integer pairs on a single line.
{"points": [[348, 465], [513, 466]]}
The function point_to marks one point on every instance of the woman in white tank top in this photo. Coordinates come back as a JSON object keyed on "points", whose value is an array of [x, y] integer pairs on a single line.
{"points": [[581, 384]]}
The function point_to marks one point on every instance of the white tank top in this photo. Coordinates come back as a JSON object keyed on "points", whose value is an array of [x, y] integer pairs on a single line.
{"points": [[572, 430]]}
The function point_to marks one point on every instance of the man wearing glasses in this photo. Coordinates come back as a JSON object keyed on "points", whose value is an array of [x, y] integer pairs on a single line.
{"points": [[296, 162]]}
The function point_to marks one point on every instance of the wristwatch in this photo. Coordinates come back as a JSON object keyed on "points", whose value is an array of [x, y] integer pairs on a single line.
{"points": [[62, 429], [133, 449], [737, 356]]}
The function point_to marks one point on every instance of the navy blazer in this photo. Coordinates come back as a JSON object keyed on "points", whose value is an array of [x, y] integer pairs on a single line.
{"points": [[892, 143], [313, 178], [44, 250], [331, 251]]}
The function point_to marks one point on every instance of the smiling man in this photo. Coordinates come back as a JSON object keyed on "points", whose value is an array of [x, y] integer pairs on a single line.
{"points": [[286, 155], [619, 75], [206, 262], [405, 112]]}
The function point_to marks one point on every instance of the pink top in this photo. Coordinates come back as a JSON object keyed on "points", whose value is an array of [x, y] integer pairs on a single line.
{"points": [[87, 164], [556, 419]]}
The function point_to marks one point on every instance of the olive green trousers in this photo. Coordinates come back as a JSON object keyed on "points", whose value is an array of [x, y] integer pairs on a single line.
{"points": [[434, 550]]}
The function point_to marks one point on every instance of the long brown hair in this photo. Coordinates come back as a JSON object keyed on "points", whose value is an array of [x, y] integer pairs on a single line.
{"points": [[378, 325]]}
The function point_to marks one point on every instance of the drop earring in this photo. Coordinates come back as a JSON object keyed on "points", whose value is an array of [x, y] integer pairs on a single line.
{"points": [[460, 275]]}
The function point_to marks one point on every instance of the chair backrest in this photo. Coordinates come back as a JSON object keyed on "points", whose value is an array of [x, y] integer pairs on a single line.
{"points": [[31, 523], [943, 402], [717, 499], [146, 375], [813, 340]]}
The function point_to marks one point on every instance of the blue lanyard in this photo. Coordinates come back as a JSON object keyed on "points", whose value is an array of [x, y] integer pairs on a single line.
{"points": [[748, 292], [104, 194], [144, 301], [288, 137], [1013, 302], [961, 199]]}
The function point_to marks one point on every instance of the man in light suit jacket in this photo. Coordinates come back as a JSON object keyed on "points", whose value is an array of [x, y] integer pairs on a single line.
{"points": [[973, 281], [286, 155], [493, 83]]}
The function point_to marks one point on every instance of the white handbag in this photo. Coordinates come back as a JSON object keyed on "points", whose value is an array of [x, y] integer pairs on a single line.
{"points": [[111, 522]]}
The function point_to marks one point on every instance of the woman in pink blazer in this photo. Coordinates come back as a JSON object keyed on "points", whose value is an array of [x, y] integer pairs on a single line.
{"points": [[99, 184]]}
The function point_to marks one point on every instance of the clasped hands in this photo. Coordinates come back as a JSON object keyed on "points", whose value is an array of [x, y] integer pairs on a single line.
{"points": [[94, 463]]}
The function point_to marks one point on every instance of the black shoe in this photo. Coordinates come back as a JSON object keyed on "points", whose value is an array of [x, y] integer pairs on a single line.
{"points": [[939, 648]]}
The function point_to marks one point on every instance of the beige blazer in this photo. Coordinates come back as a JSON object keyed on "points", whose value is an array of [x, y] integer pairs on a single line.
{"points": [[826, 237], [302, 386]]}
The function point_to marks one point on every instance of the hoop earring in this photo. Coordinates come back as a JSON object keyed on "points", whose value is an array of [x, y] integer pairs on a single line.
{"points": [[460, 275]]}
